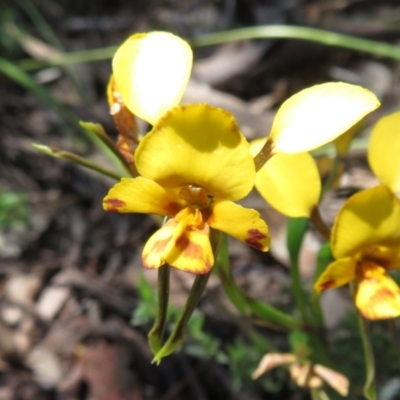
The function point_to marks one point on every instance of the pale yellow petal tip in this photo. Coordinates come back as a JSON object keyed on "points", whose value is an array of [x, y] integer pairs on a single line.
{"points": [[319, 114], [151, 71]]}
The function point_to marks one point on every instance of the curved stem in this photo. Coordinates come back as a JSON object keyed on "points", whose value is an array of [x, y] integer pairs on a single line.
{"points": [[301, 33], [245, 304], [369, 386], [177, 335], [296, 229]]}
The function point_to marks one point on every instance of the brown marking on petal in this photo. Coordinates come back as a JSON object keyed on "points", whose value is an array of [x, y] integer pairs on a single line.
{"points": [[112, 205], [172, 208], [159, 245], [327, 285], [182, 242], [254, 237], [234, 126], [193, 250]]}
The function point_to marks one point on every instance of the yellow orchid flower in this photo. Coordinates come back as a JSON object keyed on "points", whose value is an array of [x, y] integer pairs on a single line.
{"points": [[365, 241], [193, 164]]}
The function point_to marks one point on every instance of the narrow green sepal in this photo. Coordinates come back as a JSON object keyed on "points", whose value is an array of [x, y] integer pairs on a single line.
{"points": [[68, 156], [98, 134]]}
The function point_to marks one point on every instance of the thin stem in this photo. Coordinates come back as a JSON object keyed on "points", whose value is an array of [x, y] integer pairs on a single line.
{"points": [[177, 334], [156, 333], [324, 257], [257, 32], [395, 338], [245, 304], [296, 229], [70, 58], [369, 386], [301, 33]]}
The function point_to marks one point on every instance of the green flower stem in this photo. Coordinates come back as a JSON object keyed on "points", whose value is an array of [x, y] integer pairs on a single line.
{"points": [[156, 333], [296, 229], [98, 132], [66, 155], [369, 386], [395, 338], [70, 58], [258, 32], [301, 33], [319, 224], [323, 259], [246, 305], [177, 335]]}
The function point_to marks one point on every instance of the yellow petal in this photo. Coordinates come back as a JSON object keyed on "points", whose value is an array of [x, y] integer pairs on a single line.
{"points": [[378, 296], [156, 248], [337, 273], [182, 247], [151, 71], [318, 115], [290, 183], [369, 218], [198, 145], [141, 195], [384, 151], [242, 223]]}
